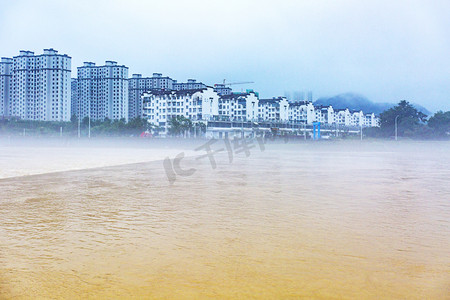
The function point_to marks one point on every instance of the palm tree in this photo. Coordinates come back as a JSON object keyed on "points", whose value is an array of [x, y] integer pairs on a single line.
{"points": [[179, 125], [199, 127]]}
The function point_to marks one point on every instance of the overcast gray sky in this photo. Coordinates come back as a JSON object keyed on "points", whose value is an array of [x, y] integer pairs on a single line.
{"points": [[385, 50]]}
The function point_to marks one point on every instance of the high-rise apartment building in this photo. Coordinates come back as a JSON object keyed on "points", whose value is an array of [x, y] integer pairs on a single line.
{"points": [[137, 85], [222, 90], [39, 86], [191, 84], [5, 82], [103, 91], [74, 97]]}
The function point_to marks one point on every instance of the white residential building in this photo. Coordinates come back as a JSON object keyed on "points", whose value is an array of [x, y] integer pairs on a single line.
{"points": [[370, 120], [302, 112], [319, 114], [274, 110], [297, 112], [324, 114], [138, 85], [239, 107], [310, 113], [103, 91], [343, 117], [159, 106], [5, 84], [375, 122], [330, 115], [357, 118], [40, 86]]}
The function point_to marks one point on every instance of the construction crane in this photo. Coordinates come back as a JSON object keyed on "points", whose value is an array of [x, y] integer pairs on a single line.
{"points": [[233, 83]]}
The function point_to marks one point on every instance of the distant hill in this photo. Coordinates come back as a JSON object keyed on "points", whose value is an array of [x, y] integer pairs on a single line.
{"points": [[359, 102]]}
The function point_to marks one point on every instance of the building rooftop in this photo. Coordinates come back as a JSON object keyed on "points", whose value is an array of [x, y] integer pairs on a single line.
{"points": [[174, 92], [234, 96], [108, 63], [273, 100], [299, 103]]}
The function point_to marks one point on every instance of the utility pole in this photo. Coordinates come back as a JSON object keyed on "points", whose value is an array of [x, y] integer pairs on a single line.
{"points": [[89, 126], [361, 133], [79, 120], [304, 132], [396, 127]]}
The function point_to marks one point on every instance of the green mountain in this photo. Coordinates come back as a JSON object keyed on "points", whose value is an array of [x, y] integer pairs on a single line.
{"points": [[358, 102]]}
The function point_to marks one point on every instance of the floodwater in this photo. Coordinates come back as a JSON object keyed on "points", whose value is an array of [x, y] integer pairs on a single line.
{"points": [[331, 220]]}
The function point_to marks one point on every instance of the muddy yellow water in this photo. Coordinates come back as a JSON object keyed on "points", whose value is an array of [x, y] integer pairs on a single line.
{"points": [[323, 220]]}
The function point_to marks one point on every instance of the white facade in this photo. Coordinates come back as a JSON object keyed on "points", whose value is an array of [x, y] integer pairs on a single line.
{"points": [[306, 112], [320, 114], [331, 119], [324, 114], [370, 120], [40, 86], [5, 84], [103, 91], [343, 117], [198, 105], [310, 113], [357, 118], [275, 109], [239, 107], [298, 112], [207, 105]]}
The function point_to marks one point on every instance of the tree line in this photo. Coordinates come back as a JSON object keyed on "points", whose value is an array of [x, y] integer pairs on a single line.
{"points": [[106, 127], [411, 123]]}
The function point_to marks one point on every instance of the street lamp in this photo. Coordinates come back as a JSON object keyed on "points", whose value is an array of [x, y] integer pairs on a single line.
{"points": [[79, 119], [89, 125], [361, 132], [304, 131], [396, 117]]}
